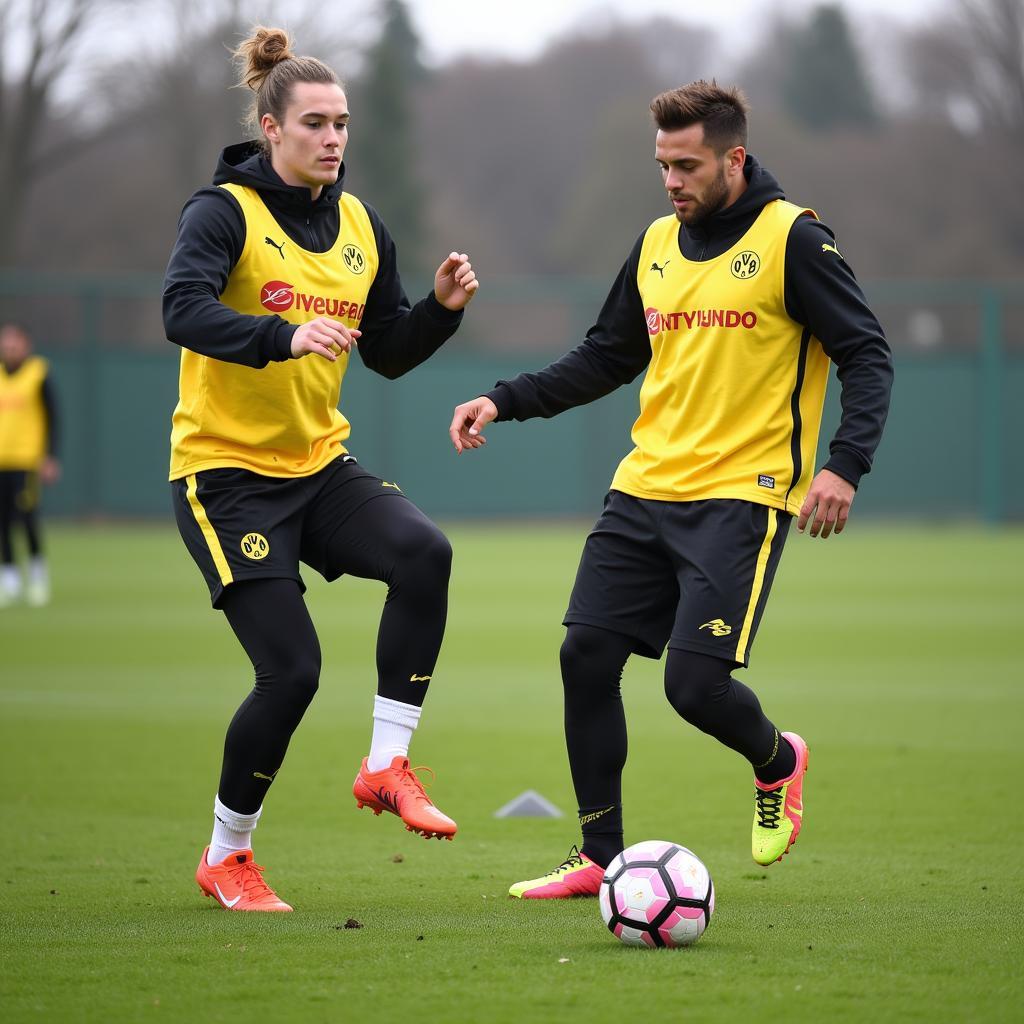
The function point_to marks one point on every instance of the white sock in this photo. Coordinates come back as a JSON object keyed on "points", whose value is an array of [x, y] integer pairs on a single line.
{"points": [[10, 580], [232, 832], [393, 726], [38, 589]]}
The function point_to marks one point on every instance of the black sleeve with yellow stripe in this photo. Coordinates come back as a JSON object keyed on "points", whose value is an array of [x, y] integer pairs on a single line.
{"points": [[823, 295]]}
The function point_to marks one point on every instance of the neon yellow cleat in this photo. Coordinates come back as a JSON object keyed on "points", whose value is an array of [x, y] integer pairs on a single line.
{"points": [[577, 875], [779, 809]]}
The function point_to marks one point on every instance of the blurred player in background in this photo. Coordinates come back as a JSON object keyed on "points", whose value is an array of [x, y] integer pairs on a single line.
{"points": [[734, 304], [28, 458], [276, 273]]}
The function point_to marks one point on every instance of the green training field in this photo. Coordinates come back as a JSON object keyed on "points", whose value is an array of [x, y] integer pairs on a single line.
{"points": [[895, 652]]}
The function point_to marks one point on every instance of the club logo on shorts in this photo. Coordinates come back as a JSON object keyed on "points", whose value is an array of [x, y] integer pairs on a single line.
{"points": [[255, 546], [354, 258], [277, 296], [745, 265], [718, 627]]}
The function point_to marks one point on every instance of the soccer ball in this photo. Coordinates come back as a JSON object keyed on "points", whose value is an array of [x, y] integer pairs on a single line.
{"points": [[657, 894]]}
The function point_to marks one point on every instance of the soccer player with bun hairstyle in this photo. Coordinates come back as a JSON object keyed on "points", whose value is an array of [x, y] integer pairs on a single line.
{"points": [[733, 306], [277, 276]]}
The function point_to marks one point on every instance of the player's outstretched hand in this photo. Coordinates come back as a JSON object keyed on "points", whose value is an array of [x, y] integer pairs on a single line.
{"points": [[323, 337], [469, 420], [455, 282], [827, 505]]}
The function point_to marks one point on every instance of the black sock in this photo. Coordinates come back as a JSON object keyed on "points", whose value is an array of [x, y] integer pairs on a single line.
{"points": [[602, 833], [592, 660], [780, 765]]}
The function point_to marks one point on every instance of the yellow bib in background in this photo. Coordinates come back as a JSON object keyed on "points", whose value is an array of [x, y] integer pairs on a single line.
{"points": [[23, 415]]}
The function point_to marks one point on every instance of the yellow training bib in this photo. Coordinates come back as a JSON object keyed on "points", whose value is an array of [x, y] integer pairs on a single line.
{"points": [[731, 403], [22, 415], [283, 419]]}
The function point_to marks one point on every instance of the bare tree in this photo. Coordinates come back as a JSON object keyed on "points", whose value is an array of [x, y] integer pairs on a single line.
{"points": [[185, 101], [38, 44], [996, 31], [970, 67]]}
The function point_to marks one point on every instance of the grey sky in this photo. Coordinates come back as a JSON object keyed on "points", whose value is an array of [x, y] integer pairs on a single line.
{"points": [[450, 29], [454, 28]]}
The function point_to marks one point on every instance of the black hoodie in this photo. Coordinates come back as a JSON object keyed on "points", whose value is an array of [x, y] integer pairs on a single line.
{"points": [[822, 295], [211, 233]]}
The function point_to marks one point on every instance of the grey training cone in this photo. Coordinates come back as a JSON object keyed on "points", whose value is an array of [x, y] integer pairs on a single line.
{"points": [[528, 805]]}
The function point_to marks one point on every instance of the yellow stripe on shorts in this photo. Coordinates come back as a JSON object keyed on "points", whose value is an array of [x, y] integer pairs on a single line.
{"points": [[212, 542], [755, 590]]}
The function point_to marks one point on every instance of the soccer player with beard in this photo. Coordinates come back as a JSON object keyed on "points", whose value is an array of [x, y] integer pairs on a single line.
{"points": [[735, 305], [275, 275]]}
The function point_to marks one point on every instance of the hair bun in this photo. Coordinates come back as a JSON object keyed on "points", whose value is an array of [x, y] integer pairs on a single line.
{"points": [[261, 52]]}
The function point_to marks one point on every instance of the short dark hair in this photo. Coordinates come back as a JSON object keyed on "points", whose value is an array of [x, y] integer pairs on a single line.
{"points": [[722, 112]]}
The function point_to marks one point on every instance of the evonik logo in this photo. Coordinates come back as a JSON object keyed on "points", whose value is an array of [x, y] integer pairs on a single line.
{"points": [[698, 318], [279, 296]]}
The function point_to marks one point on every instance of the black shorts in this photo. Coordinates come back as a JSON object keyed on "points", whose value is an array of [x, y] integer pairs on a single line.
{"points": [[19, 492], [240, 525], [694, 575]]}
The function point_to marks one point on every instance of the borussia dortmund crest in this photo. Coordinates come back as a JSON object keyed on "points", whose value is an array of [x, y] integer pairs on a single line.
{"points": [[745, 265], [354, 258], [255, 546]]}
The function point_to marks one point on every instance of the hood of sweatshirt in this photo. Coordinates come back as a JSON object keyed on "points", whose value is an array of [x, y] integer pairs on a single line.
{"points": [[312, 223], [723, 229]]}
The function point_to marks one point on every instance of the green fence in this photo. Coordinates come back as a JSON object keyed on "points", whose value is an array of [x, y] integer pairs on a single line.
{"points": [[952, 447]]}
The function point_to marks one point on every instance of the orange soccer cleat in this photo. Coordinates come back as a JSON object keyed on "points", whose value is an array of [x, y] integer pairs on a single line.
{"points": [[398, 789], [236, 883]]}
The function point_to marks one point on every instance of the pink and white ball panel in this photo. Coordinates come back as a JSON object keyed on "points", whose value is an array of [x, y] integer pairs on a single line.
{"points": [[641, 896], [657, 893], [689, 877], [684, 925]]}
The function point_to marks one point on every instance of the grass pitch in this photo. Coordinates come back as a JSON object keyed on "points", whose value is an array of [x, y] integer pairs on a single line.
{"points": [[895, 652]]}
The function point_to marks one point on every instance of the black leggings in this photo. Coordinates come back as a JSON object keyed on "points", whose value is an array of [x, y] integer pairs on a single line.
{"points": [[698, 686], [387, 539], [15, 507]]}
